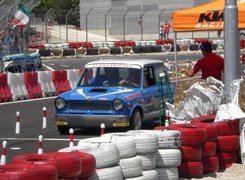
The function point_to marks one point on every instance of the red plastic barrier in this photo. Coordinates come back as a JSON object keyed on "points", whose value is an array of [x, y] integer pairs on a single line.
{"points": [[164, 41], [201, 40], [124, 43], [5, 94], [36, 46], [243, 59], [60, 81], [80, 70], [75, 45], [31, 82], [242, 44], [87, 45]]}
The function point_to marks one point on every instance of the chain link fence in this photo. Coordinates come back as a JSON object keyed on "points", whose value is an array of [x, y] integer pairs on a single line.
{"points": [[103, 20]]}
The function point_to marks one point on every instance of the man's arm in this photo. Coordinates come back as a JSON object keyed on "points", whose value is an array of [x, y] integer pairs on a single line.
{"points": [[188, 72]]}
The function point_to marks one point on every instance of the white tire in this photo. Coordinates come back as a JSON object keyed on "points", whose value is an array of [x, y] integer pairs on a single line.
{"points": [[131, 167], [168, 158], [148, 161], [106, 154], [168, 173], [111, 173], [168, 139], [150, 175], [146, 141], [136, 178], [125, 144]]}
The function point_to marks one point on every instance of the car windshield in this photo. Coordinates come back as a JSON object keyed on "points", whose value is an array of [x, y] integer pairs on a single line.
{"points": [[111, 76]]}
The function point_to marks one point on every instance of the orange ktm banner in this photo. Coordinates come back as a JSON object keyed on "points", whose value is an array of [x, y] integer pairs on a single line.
{"points": [[209, 16]]}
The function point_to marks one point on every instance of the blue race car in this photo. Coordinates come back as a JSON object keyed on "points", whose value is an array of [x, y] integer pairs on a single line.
{"points": [[118, 93]]}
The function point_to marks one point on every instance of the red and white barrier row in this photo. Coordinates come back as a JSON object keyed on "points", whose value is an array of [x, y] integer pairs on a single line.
{"points": [[30, 85]]}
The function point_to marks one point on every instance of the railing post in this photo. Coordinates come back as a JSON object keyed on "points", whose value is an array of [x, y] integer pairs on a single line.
{"points": [[67, 24], [46, 23], [106, 23], [87, 23], [141, 19]]}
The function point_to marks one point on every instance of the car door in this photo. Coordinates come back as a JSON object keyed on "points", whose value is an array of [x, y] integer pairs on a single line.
{"points": [[150, 94]]}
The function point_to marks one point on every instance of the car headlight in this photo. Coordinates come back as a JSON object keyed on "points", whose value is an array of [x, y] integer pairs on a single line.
{"points": [[60, 103], [118, 104]]}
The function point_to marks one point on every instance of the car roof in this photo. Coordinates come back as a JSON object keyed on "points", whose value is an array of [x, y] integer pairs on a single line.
{"points": [[140, 62]]}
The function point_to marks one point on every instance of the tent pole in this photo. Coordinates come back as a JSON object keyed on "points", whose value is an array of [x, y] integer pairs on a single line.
{"points": [[231, 54], [176, 58]]}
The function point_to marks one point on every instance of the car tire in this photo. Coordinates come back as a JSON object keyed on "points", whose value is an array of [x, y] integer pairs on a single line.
{"points": [[210, 164], [131, 167], [136, 120], [27, 171], [170, 173], [148, 161], [109, 173], [106, 154], [190, 170], [63, 130], [150, 175], [168, 158], [68, 165]]}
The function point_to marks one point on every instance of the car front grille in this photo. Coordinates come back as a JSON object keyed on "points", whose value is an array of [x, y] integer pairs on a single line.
{"points": [[90, 105]]}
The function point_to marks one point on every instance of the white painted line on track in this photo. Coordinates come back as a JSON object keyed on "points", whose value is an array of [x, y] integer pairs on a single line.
{"points": [[63, 65], [51, 69], [36, 139], [15, 148], [28, 100]]}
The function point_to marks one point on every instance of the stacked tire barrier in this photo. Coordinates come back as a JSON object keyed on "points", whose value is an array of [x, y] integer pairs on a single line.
{"points": [[122, 47], [192, 141], [146, 149], [139, 156], [227, 140], [106, 156], [49, 165], [207, 146], [168, 156]]}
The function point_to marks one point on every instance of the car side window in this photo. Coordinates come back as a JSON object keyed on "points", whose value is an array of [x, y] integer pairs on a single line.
{"points": [[149, 76]]}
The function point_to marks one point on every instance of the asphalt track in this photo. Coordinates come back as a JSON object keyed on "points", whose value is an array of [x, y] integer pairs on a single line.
{"points": [[31, 113]]}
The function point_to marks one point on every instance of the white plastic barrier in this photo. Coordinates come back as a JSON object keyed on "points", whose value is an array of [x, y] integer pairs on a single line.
{"points": [[72, 77], [17, 86], [46, 83]]}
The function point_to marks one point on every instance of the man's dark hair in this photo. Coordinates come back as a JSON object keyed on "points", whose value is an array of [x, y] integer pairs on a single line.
{"points": [[206, 46]]}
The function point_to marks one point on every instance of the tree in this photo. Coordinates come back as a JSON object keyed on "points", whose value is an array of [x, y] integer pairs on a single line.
{"points": [[59, 9]]}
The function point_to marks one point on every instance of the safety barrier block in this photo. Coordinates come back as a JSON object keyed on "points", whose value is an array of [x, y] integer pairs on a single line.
{"points": [[5, 94], [33, 88], [36, 46], [60, 81], [243, 59], [17, 86], [72, 77], [242, 44], [46, 83]]}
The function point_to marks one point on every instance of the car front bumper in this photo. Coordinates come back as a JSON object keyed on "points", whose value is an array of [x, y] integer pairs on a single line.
{"points": [[85, 121]]}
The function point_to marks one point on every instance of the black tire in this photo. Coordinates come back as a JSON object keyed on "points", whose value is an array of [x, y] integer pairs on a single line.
{"points": [[45, 52], [115, 50], [92, 51], [172, 48], [136, 120], [137, 49], [193, 47], [63, 129], [69, 52]]}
